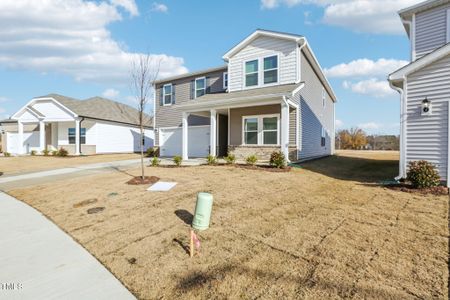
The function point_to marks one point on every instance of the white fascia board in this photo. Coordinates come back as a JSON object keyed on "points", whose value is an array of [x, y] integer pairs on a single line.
{"points": [[420, 63], [302, 85], [257, 34], [34, 100]]}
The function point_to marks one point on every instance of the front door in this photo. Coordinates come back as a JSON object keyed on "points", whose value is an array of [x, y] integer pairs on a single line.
{"points": [[222, 149]]}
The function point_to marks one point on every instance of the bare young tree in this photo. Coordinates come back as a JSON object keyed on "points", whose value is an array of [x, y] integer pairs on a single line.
{"points": [[144, 72]]}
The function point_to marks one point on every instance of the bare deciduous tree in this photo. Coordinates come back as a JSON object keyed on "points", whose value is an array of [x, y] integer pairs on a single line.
{"points": [[144, 72]]}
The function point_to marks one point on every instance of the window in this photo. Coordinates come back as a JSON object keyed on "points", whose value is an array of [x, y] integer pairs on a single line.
{"points": [[271, 69], [72, 136], [167, 94], [200, 86], [251, 73], [225, 80], [261, 130], [324, 98], [323, 140]]}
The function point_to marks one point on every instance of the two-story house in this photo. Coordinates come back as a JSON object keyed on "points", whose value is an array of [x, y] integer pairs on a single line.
{"points": [[271, 95], [424, 86]]}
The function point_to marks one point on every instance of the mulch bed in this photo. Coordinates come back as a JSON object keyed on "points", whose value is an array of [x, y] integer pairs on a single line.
{"points": [[265, 168], [147, 180], [437, 190]]}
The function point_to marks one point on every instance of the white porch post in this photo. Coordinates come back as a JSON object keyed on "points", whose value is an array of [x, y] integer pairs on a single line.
{"points": [[41, 135], [20, 138], [185, 136], [285, 129], [77, 137], [213, 133]]}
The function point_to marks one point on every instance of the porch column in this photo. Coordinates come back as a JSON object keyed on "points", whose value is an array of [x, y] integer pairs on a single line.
{"points": [[213, 133], [41, 136], [184, 138], [77, 137], [20, 137], [285, 130]]}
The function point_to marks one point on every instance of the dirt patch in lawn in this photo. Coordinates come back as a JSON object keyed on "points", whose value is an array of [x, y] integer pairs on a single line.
{"points": [[302, 234], [146, 180]]}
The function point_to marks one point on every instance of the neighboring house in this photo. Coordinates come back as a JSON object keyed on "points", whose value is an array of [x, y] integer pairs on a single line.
{"points": [[271, 95], [90, 126], [424, 85]]}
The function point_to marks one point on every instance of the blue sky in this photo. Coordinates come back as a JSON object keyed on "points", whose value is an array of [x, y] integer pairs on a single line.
{"points": [[85, 48]]}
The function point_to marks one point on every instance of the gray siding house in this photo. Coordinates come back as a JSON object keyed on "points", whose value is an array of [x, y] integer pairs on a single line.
{"points": [[424, 86], [270, 95]]}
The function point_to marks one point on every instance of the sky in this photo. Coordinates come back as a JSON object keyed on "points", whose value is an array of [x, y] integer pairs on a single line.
{"points": [[81, 48]]}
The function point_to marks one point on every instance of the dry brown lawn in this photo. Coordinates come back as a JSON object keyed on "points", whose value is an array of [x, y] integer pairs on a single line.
{"points": [[19, 164], [321, 231]]}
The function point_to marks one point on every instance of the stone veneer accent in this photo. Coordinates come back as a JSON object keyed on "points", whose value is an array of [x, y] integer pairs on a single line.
{"points": [[85, 149], [262, 152]]}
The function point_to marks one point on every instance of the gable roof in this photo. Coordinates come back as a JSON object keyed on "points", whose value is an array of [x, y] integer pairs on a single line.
{"points": [[420, 7], [191, 74], [420, 63], [101, 109]]}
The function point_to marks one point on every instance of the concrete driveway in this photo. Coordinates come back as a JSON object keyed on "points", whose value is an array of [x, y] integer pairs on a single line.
{"points": [[40, 261]]}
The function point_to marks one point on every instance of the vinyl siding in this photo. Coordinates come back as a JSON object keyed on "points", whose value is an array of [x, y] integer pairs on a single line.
{"points": [[262, 47], [431, 30], [427, 136], [171, 116], [313, 115]]}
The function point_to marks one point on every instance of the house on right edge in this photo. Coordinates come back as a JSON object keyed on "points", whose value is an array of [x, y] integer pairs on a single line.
{"points": [[424, 86]]}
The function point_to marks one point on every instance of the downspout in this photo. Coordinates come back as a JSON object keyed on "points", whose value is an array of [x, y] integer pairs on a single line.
{"points": [[79, 130], [285, 140], [402, 132], [297, 136]]}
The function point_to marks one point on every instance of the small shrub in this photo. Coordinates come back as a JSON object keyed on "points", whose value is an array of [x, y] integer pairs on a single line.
{"points": [[211, 160], [251, 160], [45, 152], [155, 161], [62, 152], [230, 159], [6, 154], [278, 160], [423, 174], [54, 152], [150, 152], [33, 152], [178, 160]]}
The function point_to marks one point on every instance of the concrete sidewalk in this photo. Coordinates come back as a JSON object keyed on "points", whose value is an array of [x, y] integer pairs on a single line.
{"points": [[40, 261]]}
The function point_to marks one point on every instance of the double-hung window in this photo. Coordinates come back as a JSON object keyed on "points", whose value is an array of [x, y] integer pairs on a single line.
{"points": [[251, 73], [225, 80], [261, 130], [167, 94], [72, 135], [200, 86], [323, 138], [271, 69]]}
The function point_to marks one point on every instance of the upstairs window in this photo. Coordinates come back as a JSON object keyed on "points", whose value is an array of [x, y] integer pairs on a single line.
{"points": [[72, 135], [167, 94], [225, 80], [271, 69], [200, 86], [251, 73]]}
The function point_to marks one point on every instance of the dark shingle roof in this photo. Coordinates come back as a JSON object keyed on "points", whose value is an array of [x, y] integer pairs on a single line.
{"points": [[103, 109]]}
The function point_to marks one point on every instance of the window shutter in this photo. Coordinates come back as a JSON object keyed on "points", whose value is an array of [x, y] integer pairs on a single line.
{"points": [[161, 96], [208, 86], [192, 89], [173, 93]]}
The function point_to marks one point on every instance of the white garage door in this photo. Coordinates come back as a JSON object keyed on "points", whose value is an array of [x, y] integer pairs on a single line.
{"points": [[171, 141], [30, 142]]}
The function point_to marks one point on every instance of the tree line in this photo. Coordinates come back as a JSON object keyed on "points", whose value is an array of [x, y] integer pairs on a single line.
{"points": [[357, 139]]}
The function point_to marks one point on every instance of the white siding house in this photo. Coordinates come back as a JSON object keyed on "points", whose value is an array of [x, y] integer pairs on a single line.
{"points": [[92, 126]]}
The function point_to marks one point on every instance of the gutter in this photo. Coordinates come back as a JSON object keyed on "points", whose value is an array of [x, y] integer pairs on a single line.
{"points": [[402, 129]]}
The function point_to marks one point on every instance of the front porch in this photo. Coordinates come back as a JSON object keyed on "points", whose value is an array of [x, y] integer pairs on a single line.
{"points": [[246, 129]]}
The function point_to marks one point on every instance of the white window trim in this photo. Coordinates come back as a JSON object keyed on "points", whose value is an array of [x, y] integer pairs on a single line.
{"points": [[225, 86], [261, 70], [261, 130], [195, 86], [164, 94]]}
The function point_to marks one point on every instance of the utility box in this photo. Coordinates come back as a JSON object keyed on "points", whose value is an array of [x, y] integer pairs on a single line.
{"points": [[203, 209]]}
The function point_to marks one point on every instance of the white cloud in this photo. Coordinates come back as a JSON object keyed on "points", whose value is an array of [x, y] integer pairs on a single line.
{"points": [[371, 87], [128, 5], [4, 99], [370, 126], [70, 37], [159, 7], [365, 67], [339, 123], [373, 16], [111, 93]]}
